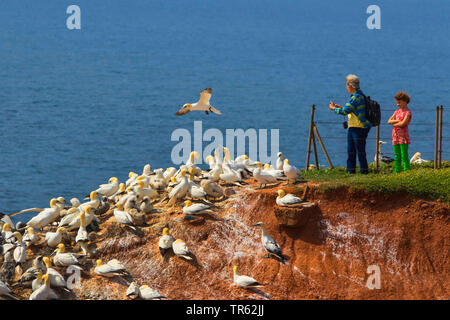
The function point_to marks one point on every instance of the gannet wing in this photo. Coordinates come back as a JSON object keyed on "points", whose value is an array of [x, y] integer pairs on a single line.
{"points": [[182, 111], [205, 95], [212, 109]]}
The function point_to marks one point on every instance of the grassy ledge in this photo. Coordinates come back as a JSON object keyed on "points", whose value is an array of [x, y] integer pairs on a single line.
{"points": [[422, 181]]}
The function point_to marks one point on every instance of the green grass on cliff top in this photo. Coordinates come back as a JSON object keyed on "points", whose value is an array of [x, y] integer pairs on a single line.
{"points": [[422, 181]]}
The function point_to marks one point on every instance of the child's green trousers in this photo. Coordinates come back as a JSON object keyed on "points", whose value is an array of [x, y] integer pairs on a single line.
{"points": [[401, 154]]}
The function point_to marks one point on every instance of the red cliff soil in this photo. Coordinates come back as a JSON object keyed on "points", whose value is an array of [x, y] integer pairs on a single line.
{"points": [[328, 258]]}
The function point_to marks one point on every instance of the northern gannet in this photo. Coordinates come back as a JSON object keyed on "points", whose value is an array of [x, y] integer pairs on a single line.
{"points": [[169, 173], [165, 242], [46, 216], [5, 291], [133, 290], [111, 269], [8, 272], [30, 237], [44, 292], [416, 158], [142, 191], [244, 281], [37, 282], [268, 243], [279, 174], [56, 279], [212, 188], [231, 176], [195, 190], [147, 293], [180, 248], [64, 259], [287, 200], [94, 202], [147, 171], [210, 161], [200, 105], [89, 216], [196, 208], [108, 189], [279, 164], [132, 176], [116, 197], [55, 238], [290, 171], [20, 251], [180, 190], [38, 267], [6, 219], [82, 237], [157, 181], [75, 202], [146, 206], [263, 177], [122, 216], [382, 158]]}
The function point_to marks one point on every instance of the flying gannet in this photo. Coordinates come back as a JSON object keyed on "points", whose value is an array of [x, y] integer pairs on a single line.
{"points": [[200, 105]]}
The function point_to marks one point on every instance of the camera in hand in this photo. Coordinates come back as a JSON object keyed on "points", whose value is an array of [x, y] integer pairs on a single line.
{"points": [[345, 124]]}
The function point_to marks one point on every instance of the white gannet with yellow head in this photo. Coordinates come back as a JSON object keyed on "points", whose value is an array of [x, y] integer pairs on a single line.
{"points": [[142, 190], [94, 202], [195, 208], [165, 242], [82, 238], [20, 251], [108, 189], [147, 293], [244, 281], [263, 177], [44, 292], [416, 158], [212, 188], [279, 174], [279, 164], [76, 222], [122, 216], [147, 170], [132, 176], [55, 238], [46, 216], [287, 200], [169, 173], [5, 291], [195, 190], [111, 269], [180, 248], [290, 171], [210, 161], [200, 105], [64, 259], [180, 190], [56, 279]]}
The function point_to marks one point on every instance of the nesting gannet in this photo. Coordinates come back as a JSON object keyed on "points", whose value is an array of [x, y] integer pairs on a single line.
{"points": [[75, 202], [20, 251], [263, 177], [268, 243], [196, 208], [146, 206], [132, 176], [195, 190], [5, 291], [82, 237], [122, 216], [157, 181], [44, 292], [108, 189], [37, 282], [416, 158], [287, 200], [7, 272], [56, 279], [165, 242], [194, 155], [147, 293], [30, 237], [212, 188], [279, 174], [290, 171], [180, 190], [133, 290], [89, 217], [180, 248], [169, 173], [111, 269], [94, 202], [200, 105], [31, 273], [215, 173], [64, 259], [230, 176], [147, 170], [116, 197], [142, 191], [7, 234], [244, 281], [55, 238], [6, 219], [46, 216], [70, 215], [210, 161]]}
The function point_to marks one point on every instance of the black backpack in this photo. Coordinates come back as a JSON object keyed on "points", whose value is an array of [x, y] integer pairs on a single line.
{"points": [[373, 112]]}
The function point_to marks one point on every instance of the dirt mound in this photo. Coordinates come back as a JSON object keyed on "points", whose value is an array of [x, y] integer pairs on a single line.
{"points": [[328, 258]]}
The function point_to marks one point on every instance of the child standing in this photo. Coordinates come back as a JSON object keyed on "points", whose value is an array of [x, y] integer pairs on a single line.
{"points": [[400, 136]]}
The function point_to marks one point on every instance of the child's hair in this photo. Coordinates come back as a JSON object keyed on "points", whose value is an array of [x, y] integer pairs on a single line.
{"points": [[402, 96]]}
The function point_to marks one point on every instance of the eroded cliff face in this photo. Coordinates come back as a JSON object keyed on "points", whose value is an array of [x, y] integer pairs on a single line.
{"points": [[328, 258]]}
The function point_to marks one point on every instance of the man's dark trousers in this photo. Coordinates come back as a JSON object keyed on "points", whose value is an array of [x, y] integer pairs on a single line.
{"points": [[356, 144]]}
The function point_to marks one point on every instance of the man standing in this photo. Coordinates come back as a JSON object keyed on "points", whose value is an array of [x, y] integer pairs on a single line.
{"points": [[358, 125]]}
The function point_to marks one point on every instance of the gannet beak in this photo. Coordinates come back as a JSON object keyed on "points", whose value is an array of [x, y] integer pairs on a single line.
{"points": [[53, 253], [257, 224]]}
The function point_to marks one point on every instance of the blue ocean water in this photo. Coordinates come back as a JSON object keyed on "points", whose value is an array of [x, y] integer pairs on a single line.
{"points": [[80, 106]]}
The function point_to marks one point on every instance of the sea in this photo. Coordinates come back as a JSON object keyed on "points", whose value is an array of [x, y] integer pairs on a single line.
{"points": [[78, 106]]}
